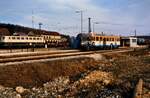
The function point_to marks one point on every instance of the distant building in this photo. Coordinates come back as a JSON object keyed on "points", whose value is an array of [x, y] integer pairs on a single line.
{"points": [[143, 40], [129, 41]]}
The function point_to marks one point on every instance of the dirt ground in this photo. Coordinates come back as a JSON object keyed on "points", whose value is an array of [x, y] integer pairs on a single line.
{"points": [[111, 76]]}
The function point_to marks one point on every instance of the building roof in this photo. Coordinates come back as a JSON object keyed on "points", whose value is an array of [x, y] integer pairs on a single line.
{"points": [[4, 32], [128, 37], [145, 37]]}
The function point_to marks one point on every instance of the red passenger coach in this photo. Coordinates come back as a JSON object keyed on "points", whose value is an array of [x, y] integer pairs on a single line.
{"points": [[19, 36]]}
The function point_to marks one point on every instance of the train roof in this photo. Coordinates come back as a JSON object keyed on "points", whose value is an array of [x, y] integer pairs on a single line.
{"points": [[102, 34], [95, 35], [106, 35]]}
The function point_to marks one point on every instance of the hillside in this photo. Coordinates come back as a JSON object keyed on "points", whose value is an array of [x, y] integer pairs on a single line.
{"points": [[9, 29]]}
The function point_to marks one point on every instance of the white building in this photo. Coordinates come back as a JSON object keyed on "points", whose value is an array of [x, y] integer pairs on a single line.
{"points": [[129, 41]]}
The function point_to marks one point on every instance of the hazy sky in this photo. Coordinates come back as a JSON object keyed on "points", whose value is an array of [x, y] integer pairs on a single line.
{"points": [[114, 16]]}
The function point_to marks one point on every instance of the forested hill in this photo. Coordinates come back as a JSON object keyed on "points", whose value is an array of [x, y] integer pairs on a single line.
{"points": [[11, 28]]}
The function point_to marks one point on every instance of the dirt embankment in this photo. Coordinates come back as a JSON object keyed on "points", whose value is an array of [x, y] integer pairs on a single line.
{"points": [[112, 75], [35, 74], [129, 67]]}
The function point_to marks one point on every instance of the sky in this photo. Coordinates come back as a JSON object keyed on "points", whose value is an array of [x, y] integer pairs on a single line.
{"points": [[117, 17]]}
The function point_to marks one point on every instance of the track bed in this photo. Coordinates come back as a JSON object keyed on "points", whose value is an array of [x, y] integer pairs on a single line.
{"points": [[110, 75]]}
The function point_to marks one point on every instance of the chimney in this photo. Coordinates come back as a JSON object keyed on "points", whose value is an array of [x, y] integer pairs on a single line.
{"points": [[89, 25]]}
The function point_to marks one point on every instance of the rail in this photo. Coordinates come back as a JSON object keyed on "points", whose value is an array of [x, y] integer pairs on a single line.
{"points": [[55, 55]]}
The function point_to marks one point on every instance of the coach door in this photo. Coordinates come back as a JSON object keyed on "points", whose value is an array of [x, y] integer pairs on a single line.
{"points": [[104, 41]]}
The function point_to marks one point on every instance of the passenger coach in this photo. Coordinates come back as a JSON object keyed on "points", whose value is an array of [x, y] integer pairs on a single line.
{"points": [[21, 41], [33, 41], [100, 42]]}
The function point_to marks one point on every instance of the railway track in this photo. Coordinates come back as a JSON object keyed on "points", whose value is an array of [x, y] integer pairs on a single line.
{"points": [[41, 56], [28, 54]]}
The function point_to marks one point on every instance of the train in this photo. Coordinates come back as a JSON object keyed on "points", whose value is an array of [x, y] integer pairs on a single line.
{"points": [[33, 41], [87, 41], [15, 36], [97, 41], [23, 37]]}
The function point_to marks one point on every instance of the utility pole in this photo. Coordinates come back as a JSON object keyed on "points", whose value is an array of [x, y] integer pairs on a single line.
{"points": [[81, 12], [135, 33], [81, 21], [40, 25], [94, 25], [32, 19]]}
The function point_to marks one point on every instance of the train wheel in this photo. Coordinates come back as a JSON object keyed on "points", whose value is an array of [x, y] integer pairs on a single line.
{"points": [[87, 48]]}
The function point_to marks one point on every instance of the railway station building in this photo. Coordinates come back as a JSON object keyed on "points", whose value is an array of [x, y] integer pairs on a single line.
{"points": [[129, 42]]}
